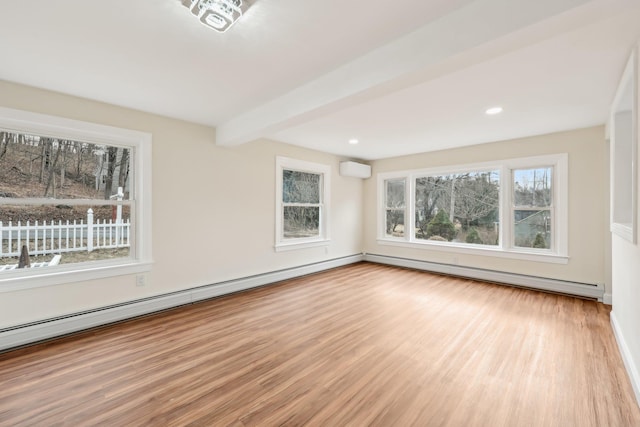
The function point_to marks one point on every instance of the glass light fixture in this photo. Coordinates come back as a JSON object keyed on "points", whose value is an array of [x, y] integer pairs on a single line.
{"points": [[217, 14]]}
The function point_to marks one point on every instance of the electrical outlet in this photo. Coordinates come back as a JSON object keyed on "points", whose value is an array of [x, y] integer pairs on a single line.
{"points": [[141, 280]]}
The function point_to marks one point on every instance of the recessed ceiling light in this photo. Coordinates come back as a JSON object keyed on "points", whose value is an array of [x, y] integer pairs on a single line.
{"points": [[493, 111], [353, 141]]}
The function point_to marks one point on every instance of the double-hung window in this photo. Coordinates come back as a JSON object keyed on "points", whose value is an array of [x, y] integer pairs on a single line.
{"points": [[302, 203], [532, 208], [514, 208], [74, 200], [395, 208]]}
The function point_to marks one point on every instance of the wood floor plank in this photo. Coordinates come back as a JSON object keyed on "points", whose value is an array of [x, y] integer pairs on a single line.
{"points": [[359, 345]]}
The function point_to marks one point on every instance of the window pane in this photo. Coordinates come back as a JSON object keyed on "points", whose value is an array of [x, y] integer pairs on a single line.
{"points": [[532, 187], [301, 221], [532, 229], [394, 193], [300, 187], [36, 166], [49, 230], [461, 207], [433, 193], [395, 222]]}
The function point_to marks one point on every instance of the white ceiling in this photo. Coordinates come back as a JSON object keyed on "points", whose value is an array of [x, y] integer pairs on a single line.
{"points": [[316, 73]]}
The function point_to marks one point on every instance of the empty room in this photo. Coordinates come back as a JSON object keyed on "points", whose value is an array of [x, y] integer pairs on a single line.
{"points": [[319, 213]]}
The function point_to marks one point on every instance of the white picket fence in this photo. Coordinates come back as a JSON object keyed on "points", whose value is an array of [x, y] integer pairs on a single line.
{"points": [[54, 238]]}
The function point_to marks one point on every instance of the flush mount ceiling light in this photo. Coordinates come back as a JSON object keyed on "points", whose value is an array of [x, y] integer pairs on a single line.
{"points": [[217, 14], [353, 141], [493, 111]]}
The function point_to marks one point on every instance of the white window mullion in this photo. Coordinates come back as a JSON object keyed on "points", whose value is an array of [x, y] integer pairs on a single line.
{"points": [[410, 207], [506, 212]]}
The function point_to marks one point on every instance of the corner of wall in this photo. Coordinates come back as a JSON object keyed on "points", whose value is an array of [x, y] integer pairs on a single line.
{"points": [[627, 358]]}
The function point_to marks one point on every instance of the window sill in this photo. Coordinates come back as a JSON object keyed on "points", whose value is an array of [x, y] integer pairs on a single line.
{"points": [[280, 247], [482, 251], [63, 274]]}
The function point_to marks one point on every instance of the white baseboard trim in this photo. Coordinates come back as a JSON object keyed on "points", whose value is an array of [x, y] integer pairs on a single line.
{"points": [[552, 285], [607, 299], [31, 333], [632, 369], [237, 285]]}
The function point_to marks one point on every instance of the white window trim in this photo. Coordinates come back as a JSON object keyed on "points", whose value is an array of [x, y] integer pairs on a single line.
{"points": [[623, 186], [323, 239], [141, 258], [557, 254], [409, 209]]}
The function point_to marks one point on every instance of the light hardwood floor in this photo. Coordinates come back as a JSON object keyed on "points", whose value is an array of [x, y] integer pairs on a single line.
{"points": [[359, 345]]}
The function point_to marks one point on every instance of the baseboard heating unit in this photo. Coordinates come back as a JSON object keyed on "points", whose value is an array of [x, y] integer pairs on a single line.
{"points": [[584, 290]]}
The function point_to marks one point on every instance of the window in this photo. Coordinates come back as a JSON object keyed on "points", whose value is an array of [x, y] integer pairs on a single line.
{"points": [[515, 208], [459, 206], [394, 207], [532, 208], [74, 200], [302, 204]]}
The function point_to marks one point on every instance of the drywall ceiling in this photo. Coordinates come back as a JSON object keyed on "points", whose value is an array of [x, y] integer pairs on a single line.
{"points": [[317, 73]]}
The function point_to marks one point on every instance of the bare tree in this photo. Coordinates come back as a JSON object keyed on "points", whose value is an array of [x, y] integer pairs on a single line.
{"points": [[112, 161], [63, 162], [430, 191], [123, 174], [477, 197], [5, 137], [303, 190], [452, 197], [51, 182], [45, 154]]}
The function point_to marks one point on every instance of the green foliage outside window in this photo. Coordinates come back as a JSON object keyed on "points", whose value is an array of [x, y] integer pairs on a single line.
{"points": [[441, 226]]}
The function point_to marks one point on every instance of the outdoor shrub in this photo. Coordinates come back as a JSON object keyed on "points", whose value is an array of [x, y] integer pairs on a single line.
{"points": [[438, 238], [539, 242], [440, 225], [473, 236]]}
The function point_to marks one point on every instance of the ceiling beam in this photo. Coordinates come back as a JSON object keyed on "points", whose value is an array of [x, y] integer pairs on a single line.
{"points": [[477, 32]]}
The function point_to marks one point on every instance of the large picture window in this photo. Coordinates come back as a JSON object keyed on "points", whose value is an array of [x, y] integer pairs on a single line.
{"points": [[301, 203], [515, 208], [71, 202], [460, 206]]}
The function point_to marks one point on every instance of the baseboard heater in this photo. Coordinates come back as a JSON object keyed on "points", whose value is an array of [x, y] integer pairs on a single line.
{"points": [[21, 335], [585, 290]]}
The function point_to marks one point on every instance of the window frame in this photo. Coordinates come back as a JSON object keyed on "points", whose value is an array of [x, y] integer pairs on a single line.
{"points": [[558, 253], [513, 208], [387, 208], [139, 143], [622, 130], [286, 163]]}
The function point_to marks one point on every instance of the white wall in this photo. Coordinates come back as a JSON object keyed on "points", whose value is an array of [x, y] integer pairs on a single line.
{"points": [[588, 181], [223, 199], [626, 292], [213, 210]]}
